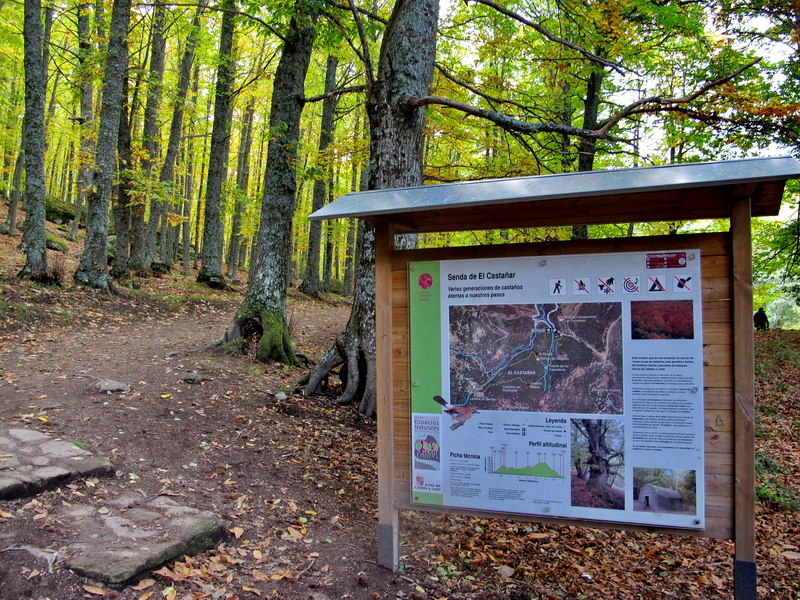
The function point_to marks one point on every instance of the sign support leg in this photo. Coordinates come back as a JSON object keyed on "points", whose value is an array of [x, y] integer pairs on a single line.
{"points": [[388, 518], [744, 399]]}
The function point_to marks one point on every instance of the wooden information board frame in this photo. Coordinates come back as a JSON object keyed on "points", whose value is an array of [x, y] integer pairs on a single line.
{"points": [[735, 190]]}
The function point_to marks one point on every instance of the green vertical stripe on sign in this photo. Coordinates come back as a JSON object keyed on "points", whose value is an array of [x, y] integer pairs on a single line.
{"points": [[425, 288]]}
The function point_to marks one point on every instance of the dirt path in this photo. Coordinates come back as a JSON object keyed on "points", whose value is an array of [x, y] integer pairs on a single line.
{"points": [[294, 479]]}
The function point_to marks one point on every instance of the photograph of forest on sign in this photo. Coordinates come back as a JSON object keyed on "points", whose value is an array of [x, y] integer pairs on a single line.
{"points": [[598, 455], [662, 320]]}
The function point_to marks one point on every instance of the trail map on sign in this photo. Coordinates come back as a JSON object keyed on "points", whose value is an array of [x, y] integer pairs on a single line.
{"points": [[534, 357]]}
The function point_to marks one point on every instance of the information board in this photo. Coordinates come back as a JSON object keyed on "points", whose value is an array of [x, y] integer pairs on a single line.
{"points": [[562, 386]]}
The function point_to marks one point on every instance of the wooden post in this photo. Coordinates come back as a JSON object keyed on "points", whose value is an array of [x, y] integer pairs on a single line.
{"points": [[388, 520], [744, 569]]}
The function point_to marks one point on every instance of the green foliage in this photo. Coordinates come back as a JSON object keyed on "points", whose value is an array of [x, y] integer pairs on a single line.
{"points": [[771, 491]]}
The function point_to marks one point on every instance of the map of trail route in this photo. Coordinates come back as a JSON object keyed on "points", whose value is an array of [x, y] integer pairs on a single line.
{"points": [[549, 357]]}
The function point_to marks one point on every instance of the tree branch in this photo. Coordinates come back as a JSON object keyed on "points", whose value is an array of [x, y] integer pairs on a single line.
{"points": [[339, 92], [639, 105], [366, 13], [347, 38], [554, 38], [507, 122], [475, 90], [364, 43]]}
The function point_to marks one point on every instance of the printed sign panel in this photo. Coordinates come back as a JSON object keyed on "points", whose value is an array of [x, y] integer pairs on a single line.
{"points": [[564, 386]]}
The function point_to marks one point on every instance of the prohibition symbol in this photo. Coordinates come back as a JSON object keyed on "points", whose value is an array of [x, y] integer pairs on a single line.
{"points": [[656, 286], [606, 285], [579, 287], [683, 284], [631, 285]]}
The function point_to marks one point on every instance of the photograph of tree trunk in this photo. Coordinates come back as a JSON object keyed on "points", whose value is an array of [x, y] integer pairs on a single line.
{"points": [[598, 458]]}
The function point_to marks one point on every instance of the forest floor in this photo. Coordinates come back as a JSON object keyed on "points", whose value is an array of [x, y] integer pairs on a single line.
{"points": [[295, 480]]}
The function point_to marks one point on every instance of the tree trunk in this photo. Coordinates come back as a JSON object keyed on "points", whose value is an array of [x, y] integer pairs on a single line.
{"points": [[186, 233], [86, 117], [150, 131], [186, 225], [93, 267], [310, 283], [349, 261], [330, 250], [167, 176], [211, 269], [599, 452], [587, 147], [242, 183], [405, 71], [265, 300], [16, 192], [122, 207], [34, 241]]}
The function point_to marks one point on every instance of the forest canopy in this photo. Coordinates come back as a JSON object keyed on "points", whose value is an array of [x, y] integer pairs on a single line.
{"points": [[202, 135]]}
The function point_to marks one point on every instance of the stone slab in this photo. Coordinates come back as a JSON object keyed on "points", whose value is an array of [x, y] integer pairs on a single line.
{"points": [[32, 461], [122, 538]]}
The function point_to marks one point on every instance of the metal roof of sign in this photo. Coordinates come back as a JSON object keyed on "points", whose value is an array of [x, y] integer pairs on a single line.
{"points": [[685, 191]]}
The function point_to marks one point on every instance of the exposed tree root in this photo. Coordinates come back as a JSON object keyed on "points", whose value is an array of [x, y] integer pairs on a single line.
{"points": [[263, 334]]}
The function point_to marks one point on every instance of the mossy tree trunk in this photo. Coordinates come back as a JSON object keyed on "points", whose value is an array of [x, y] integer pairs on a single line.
{"points": [[33, 237], [266, 290], [405, 72], [93, 267]]}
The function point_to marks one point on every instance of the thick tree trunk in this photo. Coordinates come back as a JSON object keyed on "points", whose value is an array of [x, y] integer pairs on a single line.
{"points": [[265, 300], [355, 347], [93, 267], [213, 234], [601, 454], [405, 71], [34, 242], [310, 283]]}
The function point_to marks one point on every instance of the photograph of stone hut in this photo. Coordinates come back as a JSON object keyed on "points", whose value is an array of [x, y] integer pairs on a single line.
{"points": [[660, 499]]}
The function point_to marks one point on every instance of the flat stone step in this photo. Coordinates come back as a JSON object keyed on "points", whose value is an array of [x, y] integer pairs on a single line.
{"points": [[114, 539], [123, 536], [32, 461]]}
